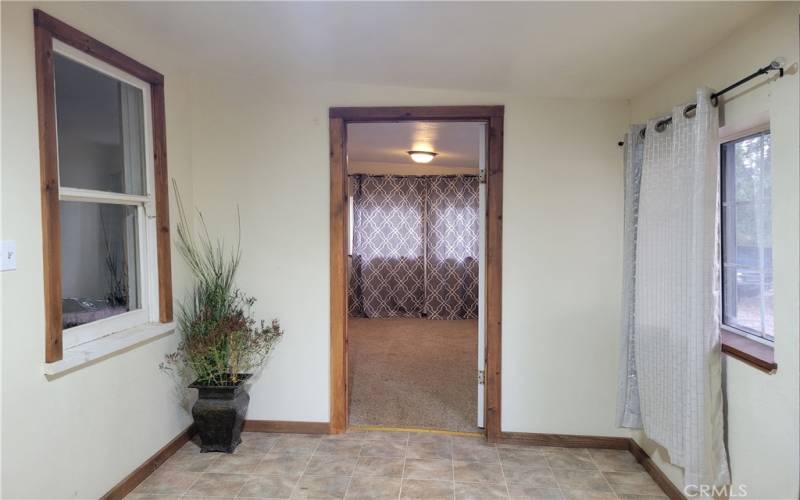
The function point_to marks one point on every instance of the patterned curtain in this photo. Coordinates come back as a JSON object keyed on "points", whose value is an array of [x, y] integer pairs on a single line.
{"points": [[670, 381], [415, 247], [387, 268], [451, 284]]}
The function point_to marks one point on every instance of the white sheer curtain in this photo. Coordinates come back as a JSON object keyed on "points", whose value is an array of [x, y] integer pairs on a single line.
{"points": [[670, 375]]}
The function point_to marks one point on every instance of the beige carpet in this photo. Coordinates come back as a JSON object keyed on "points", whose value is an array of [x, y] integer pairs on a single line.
{"points": [[413, 373]]}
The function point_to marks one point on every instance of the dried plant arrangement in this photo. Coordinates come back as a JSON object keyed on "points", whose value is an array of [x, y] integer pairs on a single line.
{"points": [[220, 337]]}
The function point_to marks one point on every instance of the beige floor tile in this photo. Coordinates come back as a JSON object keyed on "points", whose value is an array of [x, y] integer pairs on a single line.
{"points": [[193, 446], [633, 483], [428, 468], [386, 436], [477, 472], [148, 496], [429, 449], [383, 449], [296, 443], [537, 477], [217, 485], [345, 436], [235, 464], [525, 492], [615, 461], [340, 447], [373, 488], [287, 465], [468, 441], [268, 487], [192, 462], [187, 497], [587, 495], [257, 442], [427, 490], [321, 487], [429, 437], [474, 450], [564, 450], [379, 466], [331, 465], [643, 497], [581, 480], [168, 482], [475, 491], [572, 460], [523, 456]]}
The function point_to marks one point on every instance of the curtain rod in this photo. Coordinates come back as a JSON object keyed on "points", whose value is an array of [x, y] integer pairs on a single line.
{"points": [[775, 65]]}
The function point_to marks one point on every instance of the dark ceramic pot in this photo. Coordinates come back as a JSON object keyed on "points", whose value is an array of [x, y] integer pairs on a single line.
{"points": [[219, 414]]}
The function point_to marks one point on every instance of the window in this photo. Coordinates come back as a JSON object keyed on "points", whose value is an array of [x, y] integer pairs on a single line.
{"points": [[105, 219], [747, 278]]}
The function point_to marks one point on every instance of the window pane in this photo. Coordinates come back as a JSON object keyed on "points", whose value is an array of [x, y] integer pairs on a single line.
{"points": [[100, 123], [747, 236], [99, 261]]}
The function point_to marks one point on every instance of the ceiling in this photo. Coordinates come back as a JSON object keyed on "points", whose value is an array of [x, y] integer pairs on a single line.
{"points": [[609, 50], [455, 143]]}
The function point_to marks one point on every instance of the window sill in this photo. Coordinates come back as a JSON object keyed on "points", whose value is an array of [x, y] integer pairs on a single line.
{"points": [[749, 351], [89, 353]]}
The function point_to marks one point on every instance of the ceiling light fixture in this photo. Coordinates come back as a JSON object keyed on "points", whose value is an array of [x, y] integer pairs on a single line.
{"points": [[422, 156]]}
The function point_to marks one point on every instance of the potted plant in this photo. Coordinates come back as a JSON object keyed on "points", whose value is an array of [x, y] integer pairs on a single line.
{"points": [[221, 342]]}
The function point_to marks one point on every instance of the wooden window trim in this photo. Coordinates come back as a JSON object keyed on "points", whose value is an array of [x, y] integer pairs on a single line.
{"points": [[47, 28], [749, 351], [339, 118], [757, 354]]}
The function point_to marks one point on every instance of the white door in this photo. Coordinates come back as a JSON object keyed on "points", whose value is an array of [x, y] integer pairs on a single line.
{"points": [[482, 279]]}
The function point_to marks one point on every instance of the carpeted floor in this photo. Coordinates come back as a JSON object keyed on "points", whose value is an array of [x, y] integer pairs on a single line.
{"points": [[407, 372]]}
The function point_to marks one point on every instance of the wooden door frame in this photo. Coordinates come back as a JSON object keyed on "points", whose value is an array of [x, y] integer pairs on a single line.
{"points": [[339, 118]]}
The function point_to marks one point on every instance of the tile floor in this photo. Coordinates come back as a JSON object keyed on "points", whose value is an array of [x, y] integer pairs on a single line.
{"points": [[366, 465]]}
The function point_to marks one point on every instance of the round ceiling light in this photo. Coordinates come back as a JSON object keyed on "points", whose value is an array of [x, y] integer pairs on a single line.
{"points": [[422, 156]]}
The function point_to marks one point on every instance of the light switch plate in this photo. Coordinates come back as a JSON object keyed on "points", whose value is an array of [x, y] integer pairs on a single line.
{"points": [[8, 255]]}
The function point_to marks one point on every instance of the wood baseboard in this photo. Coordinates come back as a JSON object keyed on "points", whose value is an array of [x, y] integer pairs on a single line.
{"points": [[563, 440], [657, 474], [287, 426], [141, 473]]}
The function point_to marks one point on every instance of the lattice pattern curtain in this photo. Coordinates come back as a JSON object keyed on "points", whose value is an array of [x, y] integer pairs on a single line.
{"points": [[670, 369], [415, 247], [387, 267], [451, 284]]}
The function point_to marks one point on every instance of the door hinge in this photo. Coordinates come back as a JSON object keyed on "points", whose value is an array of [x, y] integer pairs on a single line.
{"points": [[482, 177], [481, 377]]}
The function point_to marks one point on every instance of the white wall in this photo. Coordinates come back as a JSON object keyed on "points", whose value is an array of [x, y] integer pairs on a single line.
{"points": [[763, 410], [78, 435], [264, 146]]}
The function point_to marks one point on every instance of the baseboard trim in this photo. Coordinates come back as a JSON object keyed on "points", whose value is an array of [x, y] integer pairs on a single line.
{"points": [[141, 473], [287, 426], [657, 474], [563, 440]]}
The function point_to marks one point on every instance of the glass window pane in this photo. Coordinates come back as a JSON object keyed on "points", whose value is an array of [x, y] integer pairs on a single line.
{"points": [[99, 261], [100, 124], [747, 235]]}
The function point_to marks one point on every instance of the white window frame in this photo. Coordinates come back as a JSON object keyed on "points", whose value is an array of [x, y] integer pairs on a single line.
{"points": [[148, 311], [723, 140]]}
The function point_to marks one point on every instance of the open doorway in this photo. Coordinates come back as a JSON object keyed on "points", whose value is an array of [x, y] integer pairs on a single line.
{"points": [[415, 251], [415, 294]]}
